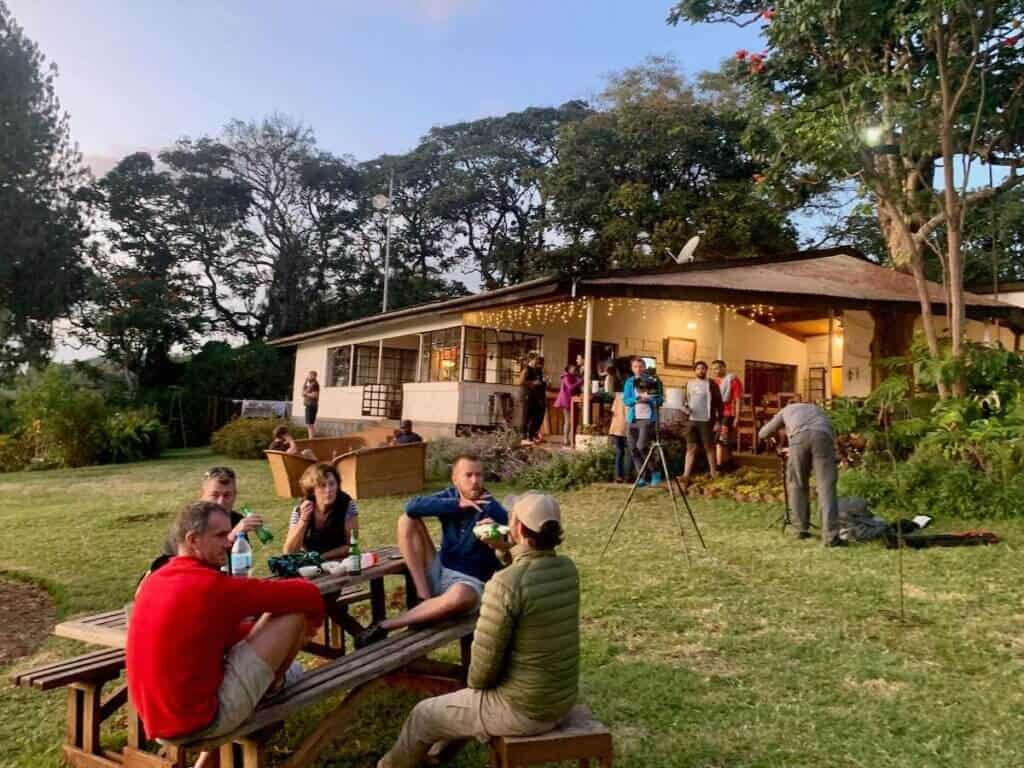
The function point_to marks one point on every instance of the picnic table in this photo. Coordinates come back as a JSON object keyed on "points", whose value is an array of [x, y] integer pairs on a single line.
{"points": [[399, 661]]}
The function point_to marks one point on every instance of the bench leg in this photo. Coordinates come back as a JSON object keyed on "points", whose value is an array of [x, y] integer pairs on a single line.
{"points": [[84, 717]]}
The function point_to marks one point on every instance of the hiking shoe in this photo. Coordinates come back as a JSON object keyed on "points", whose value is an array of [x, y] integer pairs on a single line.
{"points": [[372, 634], [803, 535], [837, 542]]}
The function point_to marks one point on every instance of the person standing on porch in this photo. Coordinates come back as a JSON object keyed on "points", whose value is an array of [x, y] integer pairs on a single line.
{"points": [[642, 418], [571, 385], [703, 407], [311, 400], [535, 394], [811, 444], [732, 397]]}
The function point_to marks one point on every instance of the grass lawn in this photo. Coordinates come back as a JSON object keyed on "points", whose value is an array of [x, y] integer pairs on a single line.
{"points": [[764, 652]]}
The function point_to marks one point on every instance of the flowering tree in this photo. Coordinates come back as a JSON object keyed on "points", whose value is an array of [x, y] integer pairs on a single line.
{"points": [[901, 97]]}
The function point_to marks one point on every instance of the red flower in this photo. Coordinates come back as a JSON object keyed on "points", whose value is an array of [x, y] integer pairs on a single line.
{"points": [[1010, 42], [758, 178], [756, 66], [741, 54], [768, 14]]}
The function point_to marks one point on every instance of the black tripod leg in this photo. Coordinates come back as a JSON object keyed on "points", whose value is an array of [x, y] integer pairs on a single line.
{"points": [[672, 495], [629, 498], [689, 511]]}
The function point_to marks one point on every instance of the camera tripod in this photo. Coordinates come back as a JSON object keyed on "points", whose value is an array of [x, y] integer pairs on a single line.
{"points": [[784, 519], [669, 481]]}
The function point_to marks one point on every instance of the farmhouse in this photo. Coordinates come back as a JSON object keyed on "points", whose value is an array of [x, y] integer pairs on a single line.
{"points": [[812, 323]]}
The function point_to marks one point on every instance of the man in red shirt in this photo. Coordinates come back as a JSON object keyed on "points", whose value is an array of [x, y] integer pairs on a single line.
{"points": [[732, 398], [196, 667]]}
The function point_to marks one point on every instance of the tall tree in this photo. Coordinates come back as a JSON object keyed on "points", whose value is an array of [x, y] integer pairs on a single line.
{"points": [[658, 164], [142, 300], [905, 98], [41, 224], [492, 192]]}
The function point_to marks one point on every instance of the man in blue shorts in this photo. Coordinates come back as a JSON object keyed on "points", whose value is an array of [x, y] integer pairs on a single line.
{"points": [[448, 582]]}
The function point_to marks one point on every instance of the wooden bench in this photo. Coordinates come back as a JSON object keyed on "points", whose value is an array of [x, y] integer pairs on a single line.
{"points": [[398, 661], [578, 737], [84, 677], [365, 472]]}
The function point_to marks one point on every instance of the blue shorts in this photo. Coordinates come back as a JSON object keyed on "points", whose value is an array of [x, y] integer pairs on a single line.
{"points": [[442, 579]]}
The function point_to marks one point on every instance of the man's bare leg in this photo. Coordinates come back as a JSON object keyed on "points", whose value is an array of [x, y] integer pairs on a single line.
{"points": [[277, 640], [691, 453], [712, 465], [417, 549], [460, 598]]}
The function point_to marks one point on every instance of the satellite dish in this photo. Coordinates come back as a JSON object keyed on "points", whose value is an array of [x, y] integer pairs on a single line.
{"points": [[380, 202], [685, 256]]}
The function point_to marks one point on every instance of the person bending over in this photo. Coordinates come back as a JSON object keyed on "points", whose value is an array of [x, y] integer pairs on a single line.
{"points": [[811, 444], [197, 667], [327, 517], [524, 669], [451, 581]]}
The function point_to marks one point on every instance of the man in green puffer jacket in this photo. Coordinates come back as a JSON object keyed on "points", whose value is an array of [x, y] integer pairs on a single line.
{"points": [[524, 672]]}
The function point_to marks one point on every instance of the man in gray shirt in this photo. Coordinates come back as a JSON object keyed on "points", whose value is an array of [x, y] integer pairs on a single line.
{"points": [[811, 443]]}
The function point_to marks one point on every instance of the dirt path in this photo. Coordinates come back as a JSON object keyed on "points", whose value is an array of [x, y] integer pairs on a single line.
{"points": [[27, 614]]}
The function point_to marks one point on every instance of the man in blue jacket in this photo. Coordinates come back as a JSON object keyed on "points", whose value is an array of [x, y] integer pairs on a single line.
{"points": [[641, 416], [448, 582]]}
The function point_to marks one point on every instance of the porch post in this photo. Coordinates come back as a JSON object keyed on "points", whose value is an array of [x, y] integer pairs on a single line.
{"points": [[351, 364], [380, 359], [828, 356], [419, 360], [462, 352], [721, 332], [588, 341]]}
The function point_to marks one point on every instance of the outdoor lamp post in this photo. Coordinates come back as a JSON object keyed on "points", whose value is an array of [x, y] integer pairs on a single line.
{"points": [[380, 202]]}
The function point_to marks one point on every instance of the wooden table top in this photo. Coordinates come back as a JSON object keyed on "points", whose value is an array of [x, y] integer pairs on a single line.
{"points": [[110, 628]]}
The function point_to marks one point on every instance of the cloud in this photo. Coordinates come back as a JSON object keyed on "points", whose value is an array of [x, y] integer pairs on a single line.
{"points": [[441, 10]]}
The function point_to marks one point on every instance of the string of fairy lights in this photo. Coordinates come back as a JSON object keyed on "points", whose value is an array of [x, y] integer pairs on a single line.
{"points": [[570, 310]]}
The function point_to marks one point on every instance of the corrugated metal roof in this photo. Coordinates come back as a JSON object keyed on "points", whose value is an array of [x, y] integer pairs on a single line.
{"points": [[839, 276]]}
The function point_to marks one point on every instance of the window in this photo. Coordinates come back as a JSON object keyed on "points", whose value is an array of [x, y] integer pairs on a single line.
{"points": [[397, 367], [339, 360], [441, 355], [496, 357]]}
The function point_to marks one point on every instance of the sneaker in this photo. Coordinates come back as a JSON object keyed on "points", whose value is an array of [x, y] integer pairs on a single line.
{"points": [[372, 634], [641, 483], [804, 535], [837, 542], [620, 480]]}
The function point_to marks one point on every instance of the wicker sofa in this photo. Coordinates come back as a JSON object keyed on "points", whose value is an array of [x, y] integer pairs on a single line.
{"points": [[368, 467]]}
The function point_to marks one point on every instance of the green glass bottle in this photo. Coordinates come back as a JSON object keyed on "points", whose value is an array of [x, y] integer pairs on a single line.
{"points": [[262, 533], [355, 556]]}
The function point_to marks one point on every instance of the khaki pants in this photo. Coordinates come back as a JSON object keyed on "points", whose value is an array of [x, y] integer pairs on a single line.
{"points": [[806, 451], [465, 714]]}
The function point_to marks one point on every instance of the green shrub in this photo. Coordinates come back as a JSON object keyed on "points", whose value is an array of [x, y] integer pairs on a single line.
{"points": [[502, 456], [133, 435], [567, 471], [15, 453], [249, 438], [67, 414]]}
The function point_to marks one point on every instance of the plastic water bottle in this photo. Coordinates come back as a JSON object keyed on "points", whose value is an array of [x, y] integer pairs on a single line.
{"points": [[241, 557], [355, 557]]}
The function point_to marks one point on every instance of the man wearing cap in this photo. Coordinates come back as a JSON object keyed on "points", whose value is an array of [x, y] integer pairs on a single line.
{"points": [[524, 669]]}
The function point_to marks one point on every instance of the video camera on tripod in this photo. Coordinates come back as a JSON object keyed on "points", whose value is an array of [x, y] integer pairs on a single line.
{"points": [[648, 383]]}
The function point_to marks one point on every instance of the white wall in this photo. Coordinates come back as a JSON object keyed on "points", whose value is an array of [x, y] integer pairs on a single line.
{"points": [[976, 331], [474, 402], [434, 402], [858, 332]]}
